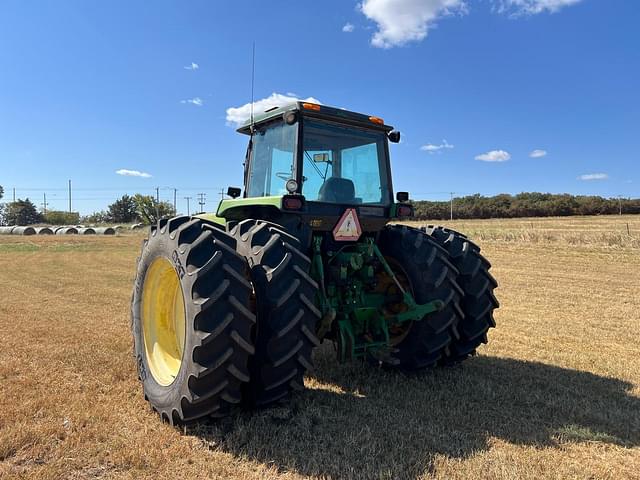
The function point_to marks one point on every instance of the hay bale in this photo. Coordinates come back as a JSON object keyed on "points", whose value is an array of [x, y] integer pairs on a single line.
{"points": [[23, 231], [67, 231]]}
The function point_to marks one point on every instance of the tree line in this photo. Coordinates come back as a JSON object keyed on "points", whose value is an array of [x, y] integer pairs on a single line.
{"points": [[127, 209], [528, 204], [146, 209]]}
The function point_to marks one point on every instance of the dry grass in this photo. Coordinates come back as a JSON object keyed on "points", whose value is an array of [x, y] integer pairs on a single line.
{"points": [[555, 394]]}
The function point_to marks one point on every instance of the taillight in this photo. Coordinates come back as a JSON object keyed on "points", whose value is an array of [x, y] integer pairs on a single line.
{"points": [[292, 202], [404, 211]]}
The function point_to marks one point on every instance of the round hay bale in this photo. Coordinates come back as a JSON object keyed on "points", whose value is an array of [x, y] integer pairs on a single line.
{"points": [[136, 226], [23, 231], [86, 231], [105, 231], [44, 231], [67, 231], [6, 230]]}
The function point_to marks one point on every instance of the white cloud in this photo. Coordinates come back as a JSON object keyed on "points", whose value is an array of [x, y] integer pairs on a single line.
{"points": [[593, 176], [348, 27], [403, 21], [239, 115], [197, 101], [538, 154], [494, 156], [193, 66], [532, 7], [132, 173], [431, 148]]}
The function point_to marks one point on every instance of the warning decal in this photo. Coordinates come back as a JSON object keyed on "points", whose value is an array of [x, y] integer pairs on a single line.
{"points": [[348, 227]]}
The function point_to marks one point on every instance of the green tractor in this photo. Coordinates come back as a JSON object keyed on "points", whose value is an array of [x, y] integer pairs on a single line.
{"points": [[228, 307]]}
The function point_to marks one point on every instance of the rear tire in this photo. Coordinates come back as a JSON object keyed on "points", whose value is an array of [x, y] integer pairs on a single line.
{"points": [[286, 312], [478, 285], [207, 279], [432, 277]]}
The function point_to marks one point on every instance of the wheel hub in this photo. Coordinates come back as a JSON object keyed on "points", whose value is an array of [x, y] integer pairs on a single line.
{"points": [[163, 321]]}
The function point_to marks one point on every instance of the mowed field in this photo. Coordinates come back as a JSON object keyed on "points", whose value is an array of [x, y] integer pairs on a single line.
{"points": [[555, 393]]}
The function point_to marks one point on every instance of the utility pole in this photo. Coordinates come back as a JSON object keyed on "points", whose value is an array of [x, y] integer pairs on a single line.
{"points": [[175, 193], [620, 203], [157, 194], [222, 194], [69, 196], [14, 194], [452, 205], [202, 200], [44, 203], [187, 199]]}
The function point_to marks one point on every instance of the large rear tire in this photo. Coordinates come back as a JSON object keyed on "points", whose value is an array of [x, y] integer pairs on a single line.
{"points": [[478, 285], [286, 312], [432, 277], [190, 320]]}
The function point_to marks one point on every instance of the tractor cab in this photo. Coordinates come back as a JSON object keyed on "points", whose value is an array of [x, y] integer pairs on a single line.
{"points": [[316, 161], [330, 158]]}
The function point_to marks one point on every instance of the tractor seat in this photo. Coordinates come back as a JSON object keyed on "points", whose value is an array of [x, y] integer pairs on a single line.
{"points": [[337, 190]]}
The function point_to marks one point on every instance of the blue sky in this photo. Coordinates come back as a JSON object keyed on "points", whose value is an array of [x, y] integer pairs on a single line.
{"points": [[89, 88]]}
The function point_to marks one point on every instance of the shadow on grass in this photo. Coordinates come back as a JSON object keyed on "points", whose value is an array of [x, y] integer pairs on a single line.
{"points": [[360, 422]]}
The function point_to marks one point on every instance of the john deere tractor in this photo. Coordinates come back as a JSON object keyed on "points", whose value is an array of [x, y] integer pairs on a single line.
{"points": [[228, 307]]}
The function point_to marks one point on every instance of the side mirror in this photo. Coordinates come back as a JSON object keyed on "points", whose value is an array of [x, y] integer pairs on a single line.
{"points": [[290, 117], [233, 192], [402, 196], [394, 136]]}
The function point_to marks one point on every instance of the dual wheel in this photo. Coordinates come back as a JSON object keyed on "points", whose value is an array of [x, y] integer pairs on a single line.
{"points": [[221, 319], [228, 318]]}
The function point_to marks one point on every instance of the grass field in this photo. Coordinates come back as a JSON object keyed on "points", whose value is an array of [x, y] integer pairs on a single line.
{"points": [[555, 393]]}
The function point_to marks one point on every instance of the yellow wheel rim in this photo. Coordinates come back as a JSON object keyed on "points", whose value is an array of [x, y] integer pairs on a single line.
{"points": [[163, 321]]}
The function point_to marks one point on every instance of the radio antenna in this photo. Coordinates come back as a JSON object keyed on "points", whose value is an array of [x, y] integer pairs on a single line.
{"points": [[253, 77]]}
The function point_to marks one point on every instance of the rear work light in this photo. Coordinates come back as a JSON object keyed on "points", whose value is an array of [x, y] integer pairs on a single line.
{"points": [[311, 106], [404, 211], [377, 120], [292, 202]]}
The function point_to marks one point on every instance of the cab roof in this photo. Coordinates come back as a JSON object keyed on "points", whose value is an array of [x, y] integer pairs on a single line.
{"points": [[318, 111]]}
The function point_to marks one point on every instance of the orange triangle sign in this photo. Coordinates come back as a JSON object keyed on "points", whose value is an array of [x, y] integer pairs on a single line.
{"points": [[348, 227]]}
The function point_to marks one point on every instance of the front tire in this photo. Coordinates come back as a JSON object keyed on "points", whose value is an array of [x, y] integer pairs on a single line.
{"points": [[190, 320]]}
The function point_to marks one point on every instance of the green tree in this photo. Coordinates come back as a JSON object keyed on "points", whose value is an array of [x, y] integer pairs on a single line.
{"points": [[22, 212], [123, 210], [97, 217], [57, 217], [150, 211], [1, 192]]}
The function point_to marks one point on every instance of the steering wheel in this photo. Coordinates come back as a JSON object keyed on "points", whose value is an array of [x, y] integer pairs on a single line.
{"points": [[283, 175]]}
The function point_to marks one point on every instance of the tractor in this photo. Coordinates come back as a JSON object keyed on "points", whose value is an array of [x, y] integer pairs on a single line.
{"points": [[227, 308]]}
